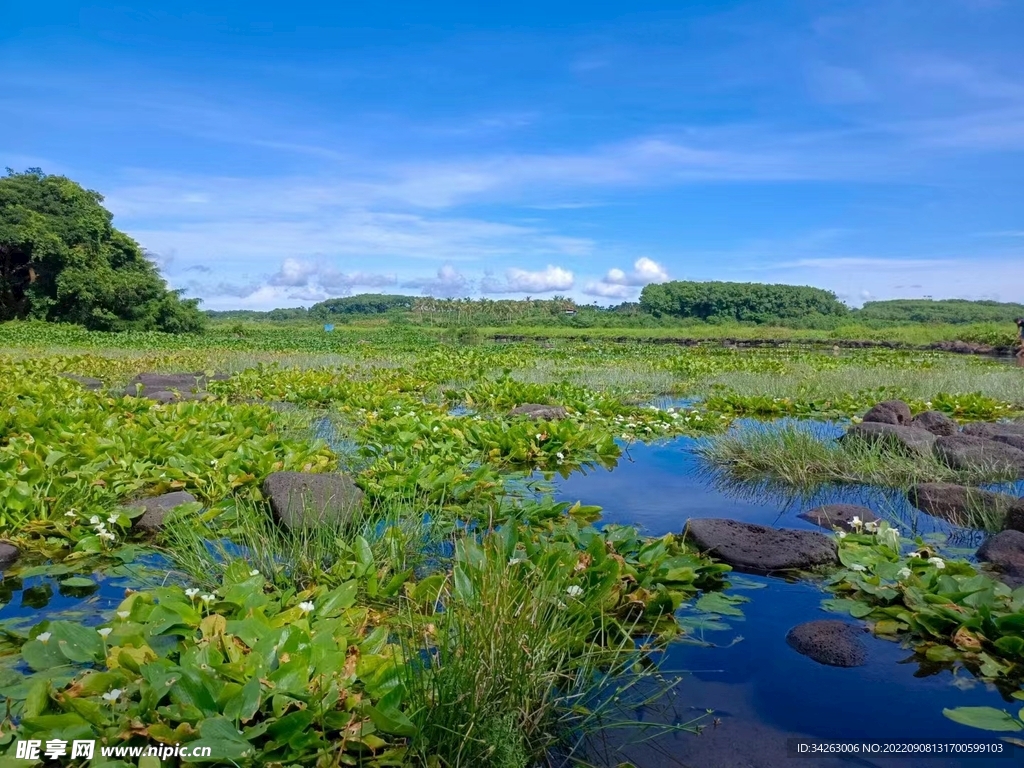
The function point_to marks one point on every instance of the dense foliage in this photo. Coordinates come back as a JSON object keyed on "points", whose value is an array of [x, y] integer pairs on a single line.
{"points": [[953, 311], [61, 259], [745, 302]]}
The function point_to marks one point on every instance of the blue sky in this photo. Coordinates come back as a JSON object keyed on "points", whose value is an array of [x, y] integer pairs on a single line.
{"points": [[276, 154]]}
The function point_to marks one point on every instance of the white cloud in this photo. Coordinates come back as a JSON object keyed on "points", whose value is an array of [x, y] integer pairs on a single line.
{"points": [[619, 284], [524, 281], [608, 290], [448, 282], [294, 272]]}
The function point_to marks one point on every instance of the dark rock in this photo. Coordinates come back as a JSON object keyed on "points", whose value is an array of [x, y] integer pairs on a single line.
{"points": [[828, 641], [1014, 520], [157, 507], [889, 412], [8, 554], [1005, 550], [959, 504], [906, 439], [86, 381], [1017, 441], [935, 422], [969, 452], [306, 500], [759, 548], [991, 429], [833, 516], [184, 383], [539, 412]]}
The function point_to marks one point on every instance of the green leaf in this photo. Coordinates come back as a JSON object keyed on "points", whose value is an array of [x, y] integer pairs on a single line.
{"points": [[78, 581], [985, 718]]}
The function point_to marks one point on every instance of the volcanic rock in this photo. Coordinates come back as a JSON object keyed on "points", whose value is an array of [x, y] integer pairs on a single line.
{"points": [[906, 439], [157, 507], [970, 452], [760, 548], [539, 412], [833, 516], [828, 641], [8, 554], [1005, 550], [935, 422], [889, 412], [959, 504], [307, 500]]}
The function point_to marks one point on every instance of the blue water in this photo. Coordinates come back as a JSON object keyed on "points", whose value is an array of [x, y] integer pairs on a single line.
{"points": [[762, 691]]}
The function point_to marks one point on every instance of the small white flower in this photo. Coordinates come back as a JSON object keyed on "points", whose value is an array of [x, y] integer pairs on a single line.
{"points": [[105, 631], [938, 562], [42, 637], [190, 593], [858, 567], [306, 607], [560, 455], [208, 598], [871, 526], [254, 572], [915, 554], [856, 523], [106, 535], [94, 520], [113, 519], [574, 591], [124, 614], [537, 436], [903, 573], [841, 534], [112, 696], [71, 513]]}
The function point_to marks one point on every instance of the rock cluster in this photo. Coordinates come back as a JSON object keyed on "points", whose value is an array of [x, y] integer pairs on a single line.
{"points": [[996, 446]]}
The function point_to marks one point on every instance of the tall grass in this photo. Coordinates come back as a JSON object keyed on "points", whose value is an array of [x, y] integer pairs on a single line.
{"points": [[793, 455], [517, 661]]}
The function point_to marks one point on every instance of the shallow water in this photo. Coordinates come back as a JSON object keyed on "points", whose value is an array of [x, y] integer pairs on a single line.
{"points": [[763, 691]]}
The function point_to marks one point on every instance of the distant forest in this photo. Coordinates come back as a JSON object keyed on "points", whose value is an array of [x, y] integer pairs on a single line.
{"points": [[663, 304]]}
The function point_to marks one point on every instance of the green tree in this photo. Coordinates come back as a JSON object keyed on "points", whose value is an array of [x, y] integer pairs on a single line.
{"points": [[62, 260]]}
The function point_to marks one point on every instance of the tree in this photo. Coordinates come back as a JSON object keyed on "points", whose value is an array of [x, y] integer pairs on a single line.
{"points": [[62, 260]]}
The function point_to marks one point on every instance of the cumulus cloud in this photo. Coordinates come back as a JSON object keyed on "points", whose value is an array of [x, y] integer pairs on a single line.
{"points": [[518, 280], [448, 282], [294, 273], [608, 290], [619, 284]]}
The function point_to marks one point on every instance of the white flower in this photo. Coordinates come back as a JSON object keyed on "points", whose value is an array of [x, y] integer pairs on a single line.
{"points": [[94, 520], [105, 631], [938, 562], [113, 519], [254, 572], [106, 535], [903, 573], [858, 567], [306, 607], [841, 534], [111, 696], [871, 526], [915, 554], [208, 598], [537, 436], [190, 593], [71, 513], [856, 523], [42, 637], [890, 536], [574, 591], [560, 455], [124, 614]]}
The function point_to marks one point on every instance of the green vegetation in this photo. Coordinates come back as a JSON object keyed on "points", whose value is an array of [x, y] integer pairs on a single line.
{"points": [[61, 260], [463, 617], [717, 302], [952, 311], [949, 611], [795, 456]]}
